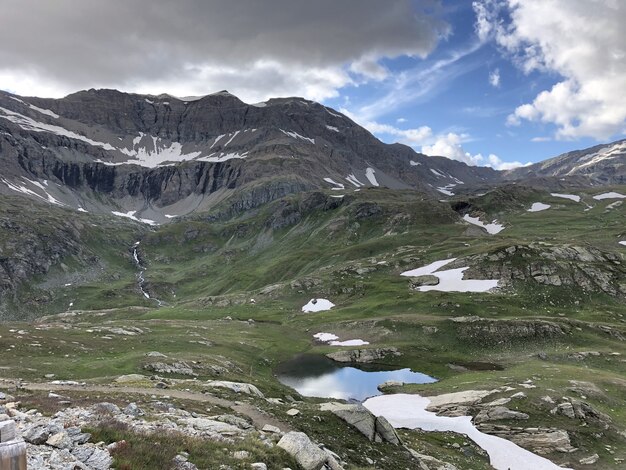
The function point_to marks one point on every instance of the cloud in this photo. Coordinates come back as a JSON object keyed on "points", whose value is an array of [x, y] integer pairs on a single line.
{"points": [[583, 42], [412, 136], [497, 164], [255, 49], [423, 139], [449, 145], [494, 78]]}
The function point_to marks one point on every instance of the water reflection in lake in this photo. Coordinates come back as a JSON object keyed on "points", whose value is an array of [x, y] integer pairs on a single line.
{"points": [[314, 375]]}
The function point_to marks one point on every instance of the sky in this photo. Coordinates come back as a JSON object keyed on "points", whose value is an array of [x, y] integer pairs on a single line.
{"points": [[500, 83]]}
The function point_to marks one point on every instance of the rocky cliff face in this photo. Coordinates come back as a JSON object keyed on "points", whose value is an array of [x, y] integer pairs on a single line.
{"points": [[104, 151]]}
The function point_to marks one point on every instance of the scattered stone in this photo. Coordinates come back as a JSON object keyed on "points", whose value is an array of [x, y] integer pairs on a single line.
{"points": [[155, 354], [270, 428], [589, 460], [518, 395], [133, 410], [241, 455], [293, 412], [258, 466]]}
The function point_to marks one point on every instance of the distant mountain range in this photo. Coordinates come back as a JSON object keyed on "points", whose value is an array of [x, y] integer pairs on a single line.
{"points": [[156, 157]]}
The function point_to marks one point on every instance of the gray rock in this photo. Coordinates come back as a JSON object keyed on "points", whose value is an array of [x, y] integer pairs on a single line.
{"points": [[100, 460], [374, 428], [496, 413], [133, 410], [589, 460], [308, 455], [426, 462], [237, 387], [181, 368], [258, 466], [363, 355]]}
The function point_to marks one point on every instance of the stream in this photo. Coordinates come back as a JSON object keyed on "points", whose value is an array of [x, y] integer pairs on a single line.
{"points": [[140, 278]]}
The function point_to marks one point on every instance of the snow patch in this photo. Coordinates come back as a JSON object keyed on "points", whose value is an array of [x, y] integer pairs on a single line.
{"points": [[493, 228], [600, 197], [24, 190], [623, 242], [47, 112], [131, 215], [222, 157], [414, 163], [571, 197], [436, 173], [450, 280], [371, 177], [80, 209], [325, 337], [318, 305], [295, 135], [350, 342], [332, 128], [352, 179], [538, 207], [331, 339], [339, 186], [409, 412]]}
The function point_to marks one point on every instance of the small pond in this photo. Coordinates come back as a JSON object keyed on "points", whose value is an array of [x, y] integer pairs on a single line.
{"points": [[313, 375]]}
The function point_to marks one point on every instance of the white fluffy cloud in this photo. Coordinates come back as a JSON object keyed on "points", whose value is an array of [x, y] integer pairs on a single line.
{"points": [[449, 145], [584, 41]]}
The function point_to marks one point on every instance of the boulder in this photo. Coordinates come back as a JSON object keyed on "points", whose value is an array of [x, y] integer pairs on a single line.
{"points": [[374, 428], [496, 413], [237, 387], [122, 379], [468, 397], [308, 455], [426, 462], [181, 368], [363, 355]]}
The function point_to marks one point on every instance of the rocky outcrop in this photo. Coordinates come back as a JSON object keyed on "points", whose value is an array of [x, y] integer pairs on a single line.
{"points": [[506, 331], [179, 368], [498, 413], [426, 462], [376, 429], [587, 268], [538, 440], [364, 355]]}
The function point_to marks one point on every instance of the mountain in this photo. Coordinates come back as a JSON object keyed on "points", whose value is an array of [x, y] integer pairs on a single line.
{"points": [[602, 164], [207, 267], [155, 157]]}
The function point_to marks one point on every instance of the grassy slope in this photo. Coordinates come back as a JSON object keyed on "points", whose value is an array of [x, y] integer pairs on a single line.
{"points": [[196, 265]]}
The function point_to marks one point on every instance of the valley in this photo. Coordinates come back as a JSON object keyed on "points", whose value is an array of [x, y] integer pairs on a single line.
{"points": [[507, 292]]}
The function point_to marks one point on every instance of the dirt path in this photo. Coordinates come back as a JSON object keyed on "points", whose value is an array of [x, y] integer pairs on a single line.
{"points": [[258, 417]]}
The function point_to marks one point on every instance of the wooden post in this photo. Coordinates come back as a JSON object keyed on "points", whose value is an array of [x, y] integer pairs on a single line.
{"points": [[12, 447]]}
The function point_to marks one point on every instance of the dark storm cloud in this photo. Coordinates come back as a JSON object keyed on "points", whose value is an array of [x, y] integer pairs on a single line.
{"points": [[82, 43]]}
